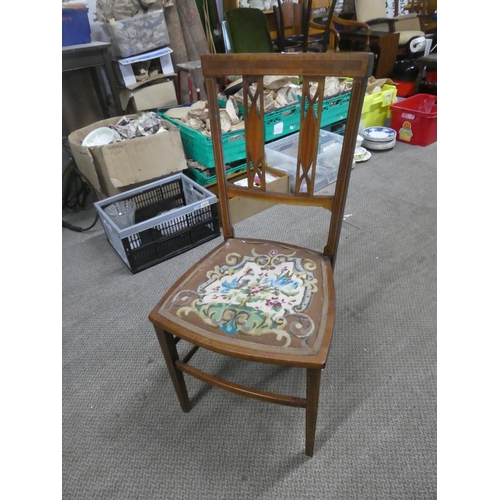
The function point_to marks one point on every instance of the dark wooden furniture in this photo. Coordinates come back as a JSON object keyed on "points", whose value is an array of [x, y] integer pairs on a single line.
{"points": [[92, 55], [383, 44], [358, 36], [373, 13], [292, 27], [329, 27], [256, 299]]}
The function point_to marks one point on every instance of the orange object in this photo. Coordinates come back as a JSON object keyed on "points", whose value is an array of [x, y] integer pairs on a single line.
{"points": [[404, 89]]}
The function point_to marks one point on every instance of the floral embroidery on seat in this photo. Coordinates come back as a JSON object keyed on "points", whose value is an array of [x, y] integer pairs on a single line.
{"points": [[255, 295]]}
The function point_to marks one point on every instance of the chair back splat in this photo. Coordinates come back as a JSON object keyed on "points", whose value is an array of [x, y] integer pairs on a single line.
{"points": [[312, 68], [259, 300]]}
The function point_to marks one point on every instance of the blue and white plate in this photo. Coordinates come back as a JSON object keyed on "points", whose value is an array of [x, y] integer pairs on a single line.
{"points": [[379, 134]]}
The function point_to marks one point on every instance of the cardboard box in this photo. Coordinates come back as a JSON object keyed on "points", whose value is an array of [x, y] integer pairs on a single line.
{"points": [[118, 167], [242, 208], [149, 96], [126, 74]]}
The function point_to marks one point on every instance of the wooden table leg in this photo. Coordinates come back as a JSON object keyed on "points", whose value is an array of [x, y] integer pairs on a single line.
{"points": [[108, 69]]}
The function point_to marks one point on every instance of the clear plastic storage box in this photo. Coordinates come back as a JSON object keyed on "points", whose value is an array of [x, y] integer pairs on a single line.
{"points": [[282, 154]]}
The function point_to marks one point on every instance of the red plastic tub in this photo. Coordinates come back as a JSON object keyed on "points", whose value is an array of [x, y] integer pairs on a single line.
{"points": [[415, 119], [404, 89]]}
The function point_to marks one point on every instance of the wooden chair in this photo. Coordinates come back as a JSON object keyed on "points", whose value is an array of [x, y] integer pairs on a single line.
{"points": [[254, 299], [331, 35], [373, 13], [292, 27]]}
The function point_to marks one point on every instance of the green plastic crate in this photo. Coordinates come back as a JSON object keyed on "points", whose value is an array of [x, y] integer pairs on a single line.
{"points": [[278, 123], [284, 121], [204, 180], [199, 147], [335, 109]]}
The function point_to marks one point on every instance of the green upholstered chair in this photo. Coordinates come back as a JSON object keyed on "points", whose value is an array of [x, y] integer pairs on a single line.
{"points": [[248, 31]]}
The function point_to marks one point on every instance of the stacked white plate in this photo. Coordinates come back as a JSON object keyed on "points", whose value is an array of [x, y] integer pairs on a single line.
{"points": [[379, 138]]}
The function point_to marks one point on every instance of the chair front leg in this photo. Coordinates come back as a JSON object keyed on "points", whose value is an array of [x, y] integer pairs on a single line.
{"points": [[312, 399], [169, 350]]}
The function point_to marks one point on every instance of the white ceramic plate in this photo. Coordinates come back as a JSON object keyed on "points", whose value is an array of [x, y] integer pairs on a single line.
{"points": [[365, 157], [379, 134], [379, 146], [100, 137]]}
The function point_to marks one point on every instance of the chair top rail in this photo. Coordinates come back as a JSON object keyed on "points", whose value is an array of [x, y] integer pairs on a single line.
{"points": [[302, 64]]}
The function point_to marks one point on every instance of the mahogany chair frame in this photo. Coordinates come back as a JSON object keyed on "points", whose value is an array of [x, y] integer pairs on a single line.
{"points": [[311, 67], [292, 27], [332, 37]]}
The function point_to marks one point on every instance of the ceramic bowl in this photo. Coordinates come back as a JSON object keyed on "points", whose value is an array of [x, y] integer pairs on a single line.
{"points": [[100, 137]]}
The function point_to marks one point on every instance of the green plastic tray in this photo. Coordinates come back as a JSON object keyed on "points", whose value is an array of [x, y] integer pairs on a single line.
{"points": [[199, 147], [286, 120], [204, 180]]}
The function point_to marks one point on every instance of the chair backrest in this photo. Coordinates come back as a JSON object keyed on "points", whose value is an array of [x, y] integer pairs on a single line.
{"points": [[248, 31], [293, 21], [288, 20], [366, 10], [407, 25], [312, 68]]}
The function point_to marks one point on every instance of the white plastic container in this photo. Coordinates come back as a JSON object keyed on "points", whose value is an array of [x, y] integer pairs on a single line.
{"points": [[282, 154]]}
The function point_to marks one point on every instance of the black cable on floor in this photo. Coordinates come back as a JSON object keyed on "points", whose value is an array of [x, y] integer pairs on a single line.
{"points": [[76, 189]]}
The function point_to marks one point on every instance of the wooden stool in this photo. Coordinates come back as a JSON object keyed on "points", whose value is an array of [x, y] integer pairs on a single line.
{"points": [[188, 68]]}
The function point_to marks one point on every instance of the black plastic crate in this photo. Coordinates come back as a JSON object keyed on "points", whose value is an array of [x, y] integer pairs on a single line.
{"points": [[164, 219]]}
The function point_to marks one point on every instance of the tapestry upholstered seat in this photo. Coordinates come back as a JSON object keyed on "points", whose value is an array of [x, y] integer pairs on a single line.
{"points": [[268, 297]]}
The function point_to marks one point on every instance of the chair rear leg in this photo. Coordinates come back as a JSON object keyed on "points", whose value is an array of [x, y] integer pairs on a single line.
{"points": [[169, 349], [312, 398]]}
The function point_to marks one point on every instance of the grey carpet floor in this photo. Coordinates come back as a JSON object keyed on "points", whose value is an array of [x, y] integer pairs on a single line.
{"points": [[124, 435]]}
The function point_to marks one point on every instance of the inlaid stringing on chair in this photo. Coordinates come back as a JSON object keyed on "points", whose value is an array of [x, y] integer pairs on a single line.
{"points": [[260, 300]]}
